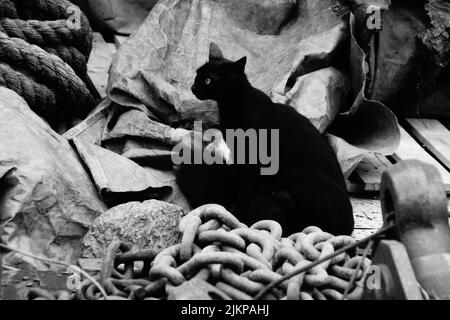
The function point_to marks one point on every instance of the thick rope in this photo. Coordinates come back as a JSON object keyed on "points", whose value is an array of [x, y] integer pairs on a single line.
{"points": [[35, 94], [7, 9], [47, 10], [72, 57], [48, 69], [53, 10], [46, 33], [42, 9]]}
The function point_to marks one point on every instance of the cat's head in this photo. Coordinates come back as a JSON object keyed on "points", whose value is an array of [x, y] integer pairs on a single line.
{"points": [[219, 77]]}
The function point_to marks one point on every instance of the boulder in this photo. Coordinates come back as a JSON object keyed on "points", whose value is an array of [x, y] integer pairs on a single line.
{"points": [[151, 224]]}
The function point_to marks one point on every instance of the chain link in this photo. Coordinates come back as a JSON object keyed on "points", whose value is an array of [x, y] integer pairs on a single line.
{"points": [[239, 261]]}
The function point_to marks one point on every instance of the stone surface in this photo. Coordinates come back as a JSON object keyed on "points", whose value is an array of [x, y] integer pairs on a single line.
{"points": [[150, 224]]}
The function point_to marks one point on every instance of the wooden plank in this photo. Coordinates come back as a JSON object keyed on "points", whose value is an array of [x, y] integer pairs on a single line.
{"points": [[99, 62], [355, 184], [367, 215], [367, 176], [371, 169], [410, 149], [435, 137], [367, 212]]}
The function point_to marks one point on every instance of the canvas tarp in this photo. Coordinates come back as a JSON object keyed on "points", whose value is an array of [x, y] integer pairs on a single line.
{"points": [[294, 51], [47, 199]]}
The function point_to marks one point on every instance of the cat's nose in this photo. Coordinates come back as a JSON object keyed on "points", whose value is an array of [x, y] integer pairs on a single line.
{"points": [[193, 88]]}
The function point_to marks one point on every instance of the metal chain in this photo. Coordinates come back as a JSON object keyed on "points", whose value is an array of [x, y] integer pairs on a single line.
{"points": [[242, 262]]}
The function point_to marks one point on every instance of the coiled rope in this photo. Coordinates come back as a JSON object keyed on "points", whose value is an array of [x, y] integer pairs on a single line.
{"points": [[43, 58]]}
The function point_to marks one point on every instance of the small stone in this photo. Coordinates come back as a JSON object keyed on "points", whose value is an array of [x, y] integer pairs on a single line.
{"points": [[29, 284]]}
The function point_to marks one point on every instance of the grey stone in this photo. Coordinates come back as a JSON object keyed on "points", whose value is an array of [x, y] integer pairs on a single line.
{"points": [[151, 224]]}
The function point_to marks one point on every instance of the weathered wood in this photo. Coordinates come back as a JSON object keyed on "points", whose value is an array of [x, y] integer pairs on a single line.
{"points": [[370, 171], [367, 213], [99, 63], [434, 136], [410, 149], [368, 216]]}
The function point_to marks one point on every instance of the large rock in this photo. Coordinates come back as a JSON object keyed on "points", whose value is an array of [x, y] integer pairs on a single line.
{"points": [[150, 224]]}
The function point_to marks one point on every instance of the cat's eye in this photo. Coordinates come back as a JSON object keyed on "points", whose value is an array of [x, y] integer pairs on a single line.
{"points": [[208, 81]]}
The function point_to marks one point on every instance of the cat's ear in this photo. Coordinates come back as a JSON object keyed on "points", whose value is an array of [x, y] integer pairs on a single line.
{"points": [[240, 64], [215, 52]]}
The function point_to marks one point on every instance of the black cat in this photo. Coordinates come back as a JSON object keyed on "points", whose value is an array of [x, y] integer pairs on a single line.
{"points": [[309, 188]]}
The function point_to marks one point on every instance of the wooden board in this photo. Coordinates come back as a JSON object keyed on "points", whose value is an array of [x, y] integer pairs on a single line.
{"points": [[434, 136], [99, 63], [410, 149], [367, 212], [370, 170]]}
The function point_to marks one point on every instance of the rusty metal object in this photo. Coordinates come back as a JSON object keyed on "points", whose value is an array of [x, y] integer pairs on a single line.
{"points": [[413, 196]]}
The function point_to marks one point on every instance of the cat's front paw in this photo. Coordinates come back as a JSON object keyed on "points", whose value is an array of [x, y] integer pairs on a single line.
{"points": [[218, 147]]}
